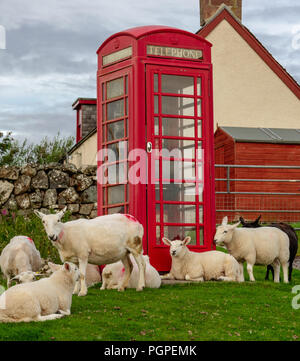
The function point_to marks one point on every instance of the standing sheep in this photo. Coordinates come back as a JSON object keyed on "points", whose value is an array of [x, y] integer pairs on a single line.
{"points": [[19, 255], [113, 275], [43, 300], [265, 245], [293, 239], [102, 240], [194, 266]]}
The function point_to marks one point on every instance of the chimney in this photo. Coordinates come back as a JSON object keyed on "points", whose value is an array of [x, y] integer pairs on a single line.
{"points": [[208, 8], [86, 116]]}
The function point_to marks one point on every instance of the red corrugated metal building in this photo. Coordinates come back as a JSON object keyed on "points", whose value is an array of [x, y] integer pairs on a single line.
{"points": [[259, 147]]}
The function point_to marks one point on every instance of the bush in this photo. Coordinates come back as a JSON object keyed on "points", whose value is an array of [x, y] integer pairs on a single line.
{"points": [[13, 152], [12, 225]]}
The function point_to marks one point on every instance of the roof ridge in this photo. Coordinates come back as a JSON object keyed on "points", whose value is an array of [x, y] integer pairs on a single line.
{"points": [[254, 43]]}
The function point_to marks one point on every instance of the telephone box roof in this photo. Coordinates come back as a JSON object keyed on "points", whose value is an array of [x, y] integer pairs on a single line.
{"points": [[141, 31]]}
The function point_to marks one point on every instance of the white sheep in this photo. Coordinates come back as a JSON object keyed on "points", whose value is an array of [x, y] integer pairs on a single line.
{"points": [[19, 255], [25, 277], [113, 274], [205, 266], [264, 245], [43, 300], [92, 275], [102, 240]]}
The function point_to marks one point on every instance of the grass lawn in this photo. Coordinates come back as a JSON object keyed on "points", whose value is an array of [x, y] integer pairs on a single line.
{"points": [[207, 311]]}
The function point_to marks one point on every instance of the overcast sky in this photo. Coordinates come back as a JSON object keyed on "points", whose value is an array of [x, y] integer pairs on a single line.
{"points": [[50, 57]]}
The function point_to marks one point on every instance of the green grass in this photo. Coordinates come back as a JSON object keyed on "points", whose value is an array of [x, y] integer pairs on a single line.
{"points": [[297, 225], [206, 311]]}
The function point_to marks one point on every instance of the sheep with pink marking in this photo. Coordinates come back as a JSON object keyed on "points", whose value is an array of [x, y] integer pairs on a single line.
{"points": [[102, 240], [113, 275], [20, 256]]}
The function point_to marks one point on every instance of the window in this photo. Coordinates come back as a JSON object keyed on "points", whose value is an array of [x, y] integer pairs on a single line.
{"points": [[114, 140]]}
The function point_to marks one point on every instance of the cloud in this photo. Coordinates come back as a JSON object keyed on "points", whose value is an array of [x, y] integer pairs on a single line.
{"points": [[51, 59]]}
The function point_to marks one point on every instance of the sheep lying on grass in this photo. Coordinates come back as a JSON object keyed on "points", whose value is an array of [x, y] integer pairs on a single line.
{"points": [[25, 277], [194, 266], [40, 300], [264, 245], [102, 240], [92, 275], [113, 275], [20, 255]]}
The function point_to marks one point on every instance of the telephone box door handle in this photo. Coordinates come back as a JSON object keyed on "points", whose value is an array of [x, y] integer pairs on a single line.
{"points": [[149, 147]]}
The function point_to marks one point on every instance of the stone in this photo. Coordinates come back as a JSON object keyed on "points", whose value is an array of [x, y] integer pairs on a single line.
{"points": [[36, 199], [61, 200], [41, 167], [8, 172], [45, 210], [50, 198], [73, 182], [58, 179], [11, 204], [83, 182], [6, 189], [94, 214], [69, 168], [73, 208], [88, 169], [28, 170], [52, 165], [89, 195], [23, 201], [22, 184], [70, 195], [85, 209], [40, 181]]}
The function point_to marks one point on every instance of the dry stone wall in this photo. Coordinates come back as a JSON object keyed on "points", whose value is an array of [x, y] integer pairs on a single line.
{"points": [[50, 186]]}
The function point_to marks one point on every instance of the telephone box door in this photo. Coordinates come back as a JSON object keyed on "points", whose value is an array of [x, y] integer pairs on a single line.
{"points": [[177, 193]]}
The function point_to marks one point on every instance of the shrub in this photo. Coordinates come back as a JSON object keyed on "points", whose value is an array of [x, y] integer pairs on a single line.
{"points": [[12, 225]]}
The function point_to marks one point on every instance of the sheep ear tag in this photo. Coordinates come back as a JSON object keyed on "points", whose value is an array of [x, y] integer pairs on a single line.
{"points": [[67, 266], [30, 240]]}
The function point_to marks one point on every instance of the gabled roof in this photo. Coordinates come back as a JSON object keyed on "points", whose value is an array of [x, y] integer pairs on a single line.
{"points": [[82, 140], [263, 135], [225, 13]]}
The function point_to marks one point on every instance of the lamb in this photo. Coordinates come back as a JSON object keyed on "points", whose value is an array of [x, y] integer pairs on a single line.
{"points": [[25, 277], [92, 275], [113, 274], [19, 255], [194, 266], [264, 245], [102, 240], [43, 300], [293, 239]]}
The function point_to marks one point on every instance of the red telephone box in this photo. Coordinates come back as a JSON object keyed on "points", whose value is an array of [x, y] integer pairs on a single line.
{"points": [[154, 96]]}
